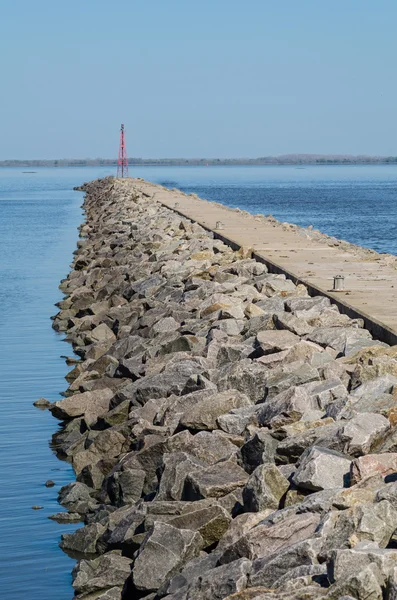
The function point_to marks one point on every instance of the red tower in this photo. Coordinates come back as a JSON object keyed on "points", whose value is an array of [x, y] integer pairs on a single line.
{"points": [[122, 164]]}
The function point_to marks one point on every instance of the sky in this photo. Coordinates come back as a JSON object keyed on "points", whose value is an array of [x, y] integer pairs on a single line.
{"points": [[197, 78]]}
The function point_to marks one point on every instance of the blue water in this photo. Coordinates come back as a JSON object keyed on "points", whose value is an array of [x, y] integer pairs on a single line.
{"points": [[354, 203], [39, 215]]}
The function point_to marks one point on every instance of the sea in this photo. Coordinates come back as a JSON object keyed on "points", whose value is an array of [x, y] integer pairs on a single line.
{"points": [[39, 216]]}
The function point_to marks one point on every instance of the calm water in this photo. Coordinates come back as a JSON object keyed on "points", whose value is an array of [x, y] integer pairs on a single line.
{"points": [[39, 215], [355, 203]]}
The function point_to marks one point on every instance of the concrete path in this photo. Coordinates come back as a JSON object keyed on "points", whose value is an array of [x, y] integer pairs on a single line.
{"points": [[371, 284]]}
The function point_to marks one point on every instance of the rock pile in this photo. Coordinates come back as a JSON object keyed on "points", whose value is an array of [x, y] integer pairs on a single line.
{"points": [[231, 436]]}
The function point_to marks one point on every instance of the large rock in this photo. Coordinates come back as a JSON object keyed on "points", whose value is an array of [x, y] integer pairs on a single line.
{"points": [[373, 464], [83, 540], [89, 405], [267, 571], [222, 582], [172, 381], [328, 391], [176, 467], [207, 446], [203, 415], [237, 420], [291, 323], [289, 405], [374, 387], [196, 567], [107, 445], [101, 333], [321, 469], [264, 489], [342, 563], [121, 533], [337, 337], [275, 341], [125, 484], [76, 497], [362, 431], [240, 525], [164, 552], [165, 325], [363, 585], [259, 449], [366, 523], [210, 521], [319, 303], [304, 434], [171, 409], [287, 376], [215, 481], [267, 538], [102, 573], [246, 376]]}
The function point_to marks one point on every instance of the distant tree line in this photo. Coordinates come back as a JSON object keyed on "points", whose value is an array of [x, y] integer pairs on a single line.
{"points": [[287, 159]]}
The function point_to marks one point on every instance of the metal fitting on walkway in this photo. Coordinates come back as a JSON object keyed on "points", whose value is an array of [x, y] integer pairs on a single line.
{"points": [[176, 205], [219, 225], [339, 282]]}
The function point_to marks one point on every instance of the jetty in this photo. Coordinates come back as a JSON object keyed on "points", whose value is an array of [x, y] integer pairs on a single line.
{"points": [[304, 256], [231, 421]]}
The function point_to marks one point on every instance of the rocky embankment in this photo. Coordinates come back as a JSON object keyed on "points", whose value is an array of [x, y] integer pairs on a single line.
{"points": [[231, 436]]}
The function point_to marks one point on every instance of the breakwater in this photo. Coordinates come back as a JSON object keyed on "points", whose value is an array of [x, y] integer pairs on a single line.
{"points": [[232, 436]]}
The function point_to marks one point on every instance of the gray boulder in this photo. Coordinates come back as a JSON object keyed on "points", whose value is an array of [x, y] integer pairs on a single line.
{"points": [[318, 303], [259, 449], [246, 376], [210, 521], [342, 563], [293, 374], [267, 571], [222, 582], [364, 585], [204, 413], [163, 553], [215, 481], [321, 469], [289, 405], [101, 333], [207, 446], [240, 525], [365, 522], [83, 540], [337, 337], [76, 497], [362, 431], [196, 567], [125, 483], [89, 405], [268, 538], [291, 323], [176, 467], [264, 489], [165, 325], [104, 572], [276, 341], [374, 387], [237, 420]]}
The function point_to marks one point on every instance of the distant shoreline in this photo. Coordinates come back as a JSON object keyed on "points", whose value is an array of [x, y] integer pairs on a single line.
{"points": [[288, 159]]}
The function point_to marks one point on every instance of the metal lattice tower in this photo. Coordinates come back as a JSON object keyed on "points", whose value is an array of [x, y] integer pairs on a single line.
{"points": [[122, 163]]}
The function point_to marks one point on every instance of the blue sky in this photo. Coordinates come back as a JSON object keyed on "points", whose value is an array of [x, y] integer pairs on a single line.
{"points": [[189, 78]]}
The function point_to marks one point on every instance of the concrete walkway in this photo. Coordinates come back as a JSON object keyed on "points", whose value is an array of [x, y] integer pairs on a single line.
{"points": [[371, 285]]}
